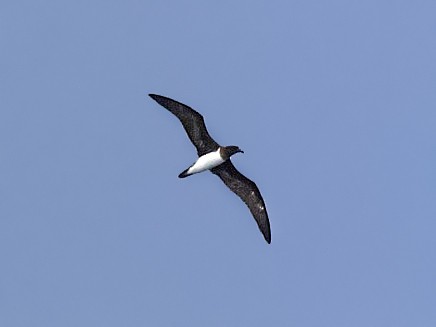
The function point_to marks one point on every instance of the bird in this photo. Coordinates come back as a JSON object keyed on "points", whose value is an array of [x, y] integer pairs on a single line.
{"points": [[216, 158]]}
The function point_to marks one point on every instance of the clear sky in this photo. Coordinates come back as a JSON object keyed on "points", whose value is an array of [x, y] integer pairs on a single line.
{"points": [[334, 104]]}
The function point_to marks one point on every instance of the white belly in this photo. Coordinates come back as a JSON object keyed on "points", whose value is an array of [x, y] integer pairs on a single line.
{"points": [[205, 162]]}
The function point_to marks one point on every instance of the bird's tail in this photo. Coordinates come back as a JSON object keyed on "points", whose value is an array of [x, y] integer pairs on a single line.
{"points": [[184, 173]]}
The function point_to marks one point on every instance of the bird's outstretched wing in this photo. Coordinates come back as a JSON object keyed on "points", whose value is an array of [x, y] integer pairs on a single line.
{"points": [[192, 122], [248, 192]]}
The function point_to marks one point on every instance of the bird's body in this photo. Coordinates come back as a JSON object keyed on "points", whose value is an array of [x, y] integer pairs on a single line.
{"points": [[205, 162], [216, 158]]}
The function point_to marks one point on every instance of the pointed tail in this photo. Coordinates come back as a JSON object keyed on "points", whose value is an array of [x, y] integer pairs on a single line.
{"points": [[184, 173]]}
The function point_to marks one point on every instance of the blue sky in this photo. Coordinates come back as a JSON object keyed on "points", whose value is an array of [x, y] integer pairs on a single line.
{"points": [[334, 104]]}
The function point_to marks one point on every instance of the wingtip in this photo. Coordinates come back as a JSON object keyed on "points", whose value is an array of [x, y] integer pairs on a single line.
{"points": [[266, 232], [158, 98]]}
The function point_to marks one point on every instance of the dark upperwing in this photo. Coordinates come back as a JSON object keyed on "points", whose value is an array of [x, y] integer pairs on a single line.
{"points": [[192, 122], [248, 192]]}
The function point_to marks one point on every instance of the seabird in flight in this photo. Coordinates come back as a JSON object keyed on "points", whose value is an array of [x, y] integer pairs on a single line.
{"points": [[216, 158]]}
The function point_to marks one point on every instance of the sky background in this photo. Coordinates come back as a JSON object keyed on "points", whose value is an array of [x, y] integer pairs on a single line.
{"points": [[334, 104]]}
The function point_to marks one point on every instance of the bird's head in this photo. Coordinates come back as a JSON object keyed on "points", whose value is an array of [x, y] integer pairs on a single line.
{"points": [[231, 150]]}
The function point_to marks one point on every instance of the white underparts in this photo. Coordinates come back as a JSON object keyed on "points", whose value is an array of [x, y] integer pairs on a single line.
{"points": [[205, 162]]}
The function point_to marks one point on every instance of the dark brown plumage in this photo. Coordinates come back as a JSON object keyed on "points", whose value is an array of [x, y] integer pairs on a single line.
{"points": [[193, 123], [247, 190], [243, 187]]}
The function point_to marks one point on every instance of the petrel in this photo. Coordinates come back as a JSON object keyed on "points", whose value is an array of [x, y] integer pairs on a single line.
{"points": [[216, 158]]}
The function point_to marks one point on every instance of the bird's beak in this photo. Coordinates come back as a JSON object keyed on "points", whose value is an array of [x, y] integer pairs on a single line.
{"points": [[241, 151]]}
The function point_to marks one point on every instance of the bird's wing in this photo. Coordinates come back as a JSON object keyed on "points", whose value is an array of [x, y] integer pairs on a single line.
{"points": [[248, 192], [192, 122]]}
